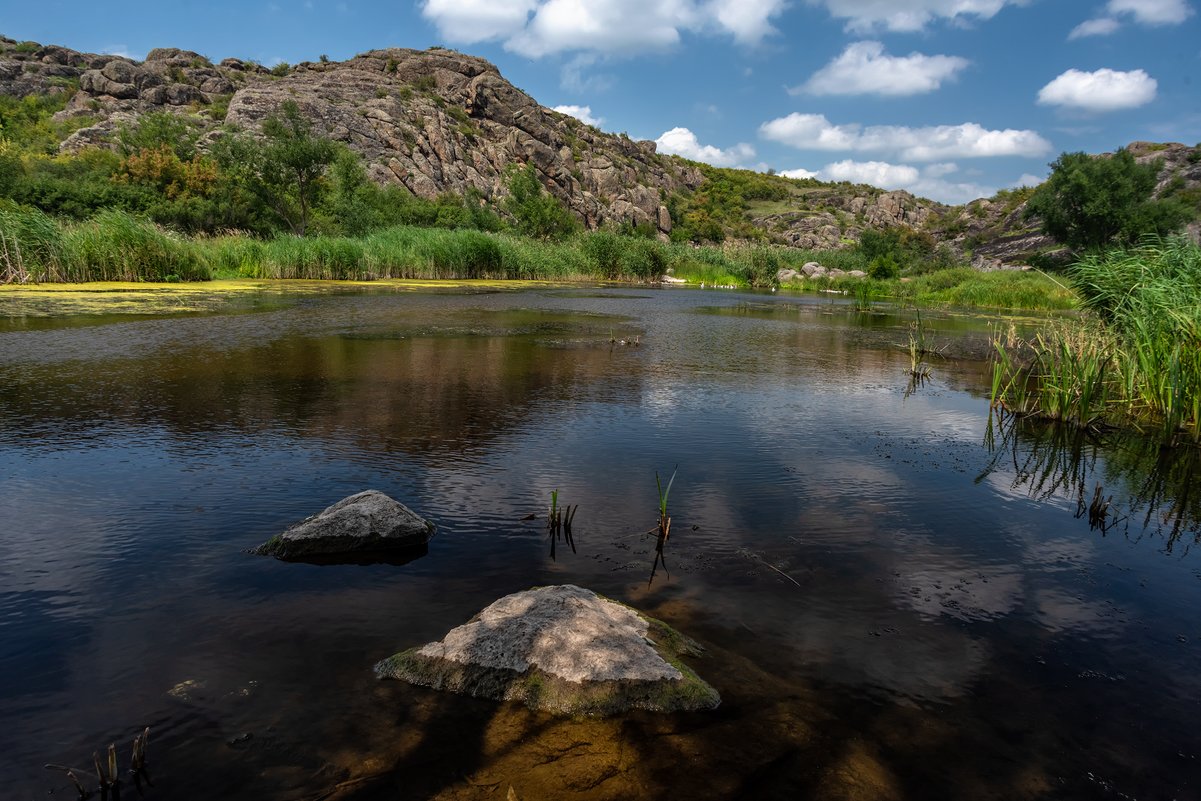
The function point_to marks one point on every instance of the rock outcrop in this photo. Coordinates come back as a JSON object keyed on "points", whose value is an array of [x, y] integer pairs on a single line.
{"points": [[367, 524], [563, 649], [438, 121]]}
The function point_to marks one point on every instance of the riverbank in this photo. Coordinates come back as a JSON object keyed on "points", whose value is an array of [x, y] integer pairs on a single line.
{"points": [[115, 246], [1132, 361]]}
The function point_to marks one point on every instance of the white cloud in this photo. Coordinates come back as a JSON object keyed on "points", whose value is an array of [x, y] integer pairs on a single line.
{"points": [[1103, 90], [909, 15], [864, 68], [683, 142], [1144, 12], [968, 140], [929, 181], [747, 20], [1152, 12], [581, 113], [876, 173], [800, 173], [1028, 180], [538, 28], [1102, 26], [470, 21]]}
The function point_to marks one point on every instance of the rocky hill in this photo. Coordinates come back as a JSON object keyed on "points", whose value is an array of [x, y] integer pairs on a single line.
{"points": [[438, 121]]}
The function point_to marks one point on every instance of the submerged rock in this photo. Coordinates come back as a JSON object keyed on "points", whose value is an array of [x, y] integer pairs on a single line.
{"points": [[561, 649], [367, 523]]}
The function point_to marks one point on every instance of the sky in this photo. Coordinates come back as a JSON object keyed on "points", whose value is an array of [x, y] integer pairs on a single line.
{"points": [[950, 99]]}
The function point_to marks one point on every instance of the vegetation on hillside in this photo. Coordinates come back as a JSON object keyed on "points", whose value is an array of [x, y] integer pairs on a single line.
{"points": [[1089, 203]]}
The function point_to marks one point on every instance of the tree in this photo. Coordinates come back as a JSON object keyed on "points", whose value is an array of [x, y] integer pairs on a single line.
{"points": [[536, 212], [285, 169], [1091, 202]]}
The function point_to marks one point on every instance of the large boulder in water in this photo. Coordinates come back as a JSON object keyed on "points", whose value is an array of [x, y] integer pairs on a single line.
{"points": [[562, 649], [369, 523]]}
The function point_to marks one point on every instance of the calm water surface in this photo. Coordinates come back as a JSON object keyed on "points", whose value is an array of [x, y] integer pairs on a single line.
{"points": [[892, 609]]}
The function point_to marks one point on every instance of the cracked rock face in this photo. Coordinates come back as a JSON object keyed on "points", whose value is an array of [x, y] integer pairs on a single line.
{"points": [[563, 649]]}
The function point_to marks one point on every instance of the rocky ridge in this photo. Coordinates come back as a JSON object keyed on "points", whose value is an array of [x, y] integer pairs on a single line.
{"points": [[440, 121]]}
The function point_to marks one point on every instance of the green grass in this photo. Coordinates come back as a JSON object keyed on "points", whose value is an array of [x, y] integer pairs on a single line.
{"points": [[1133, 361], [1004, 289], [116, 246]]}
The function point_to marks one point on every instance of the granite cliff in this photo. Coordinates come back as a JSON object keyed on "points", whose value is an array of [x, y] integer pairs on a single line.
{"points": [[439, 121]]}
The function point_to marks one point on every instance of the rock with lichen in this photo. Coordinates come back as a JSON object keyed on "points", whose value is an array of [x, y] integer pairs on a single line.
{"points": [[561, 649]]}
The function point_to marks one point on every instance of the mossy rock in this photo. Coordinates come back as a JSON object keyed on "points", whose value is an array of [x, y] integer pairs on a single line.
{"points": [[561, 649]]}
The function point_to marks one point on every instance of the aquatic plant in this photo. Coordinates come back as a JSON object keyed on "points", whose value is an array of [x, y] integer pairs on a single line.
{"points": [[558, 523], [1116, 478], [865, 293], [663, 531], [1133, 360], [109, 782]]}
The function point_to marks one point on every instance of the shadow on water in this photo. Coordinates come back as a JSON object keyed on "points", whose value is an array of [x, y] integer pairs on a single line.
{"points": [[1121, 482]]}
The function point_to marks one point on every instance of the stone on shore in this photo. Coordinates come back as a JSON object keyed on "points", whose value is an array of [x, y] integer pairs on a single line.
{"points": [[562, 649], [367, 523]]}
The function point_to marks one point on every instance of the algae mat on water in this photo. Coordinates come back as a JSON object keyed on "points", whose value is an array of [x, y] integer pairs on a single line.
{"points": [[128, 298]]}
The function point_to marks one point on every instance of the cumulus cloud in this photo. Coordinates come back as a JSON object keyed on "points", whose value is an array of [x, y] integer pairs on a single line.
{"points": [[929, 181], [909, 15], [683, 142], [470, 21], [581, 113], [864, 68], [931, 143], [538, 28], [1103, 90], [1102, 26], [1028, 180]]}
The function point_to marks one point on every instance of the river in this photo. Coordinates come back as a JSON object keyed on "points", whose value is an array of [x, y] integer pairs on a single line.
{"points": [[893, 605]]}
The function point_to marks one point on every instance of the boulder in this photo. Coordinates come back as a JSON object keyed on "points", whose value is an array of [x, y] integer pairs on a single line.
{"points": [[785, 274], [813, 270], [369, 523], [562, 649]]}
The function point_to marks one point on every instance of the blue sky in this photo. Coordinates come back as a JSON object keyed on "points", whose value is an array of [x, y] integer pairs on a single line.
{"points": [[952, 99]]}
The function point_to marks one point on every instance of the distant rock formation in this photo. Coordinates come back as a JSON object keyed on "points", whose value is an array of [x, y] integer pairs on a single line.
{"points": [[440, 121]]}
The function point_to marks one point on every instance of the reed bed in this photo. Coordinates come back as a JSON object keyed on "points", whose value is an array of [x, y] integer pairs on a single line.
{"points": [[1133, 360]]}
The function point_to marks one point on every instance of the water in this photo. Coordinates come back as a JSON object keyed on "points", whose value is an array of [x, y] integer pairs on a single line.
{"points": [[891, 609]]}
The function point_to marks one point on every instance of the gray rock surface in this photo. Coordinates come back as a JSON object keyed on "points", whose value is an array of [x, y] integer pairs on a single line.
{"points": [[563, 649], [369, 522]]}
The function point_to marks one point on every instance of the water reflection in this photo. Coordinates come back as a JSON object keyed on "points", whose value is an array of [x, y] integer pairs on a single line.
{"points": [[1118, 482], [873, 617]]}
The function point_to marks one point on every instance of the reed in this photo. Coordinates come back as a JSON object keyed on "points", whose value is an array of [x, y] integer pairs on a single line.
{"points": [[1134, 359]]}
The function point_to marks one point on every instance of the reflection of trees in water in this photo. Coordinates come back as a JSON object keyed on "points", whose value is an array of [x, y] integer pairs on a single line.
{"points": [[418, 395], [1120, 481]]}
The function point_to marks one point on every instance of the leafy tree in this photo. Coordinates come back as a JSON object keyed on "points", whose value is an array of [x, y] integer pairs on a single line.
{"points": [[536, 212], [889, 251], [1091, 202], [284, 170]]}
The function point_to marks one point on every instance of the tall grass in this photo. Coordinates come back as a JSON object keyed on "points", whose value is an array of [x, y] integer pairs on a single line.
{"points": [[1134, 360], [31, 247]]}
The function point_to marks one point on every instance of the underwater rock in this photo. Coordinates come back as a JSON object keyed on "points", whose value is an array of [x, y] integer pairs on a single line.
{"points": [[367, 523], [561, 649]]}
